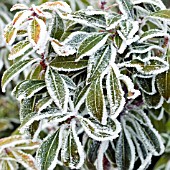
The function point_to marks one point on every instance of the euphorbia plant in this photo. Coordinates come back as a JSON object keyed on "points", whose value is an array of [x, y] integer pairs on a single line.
{"points": [[95, 79]]}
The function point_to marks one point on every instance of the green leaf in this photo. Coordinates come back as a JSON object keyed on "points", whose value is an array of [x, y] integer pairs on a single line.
{"points": [[99, 62], [89, 18], [147, 134], [154, 65], [72, 153], [125, 7], [114, 92], [163, 84], [44, 114], [57, 88], [125, 151], [153, 101], [81, 96], [22, 48], [58, 27], [162, 15], [151, 34], [98, 131], [95, 101], [15, 69], [68, 63], [91, 44], [43, 103], [27, 88], [10, 33], [113, 19], [48, 151], [70, 83], [26, 107], [163, 162], [147, 85]]}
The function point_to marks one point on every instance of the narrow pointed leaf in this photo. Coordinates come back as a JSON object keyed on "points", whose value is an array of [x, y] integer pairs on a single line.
{"points": [[57, 88], [10, 33], [125, 7], [20, 49], [15, 69], [162, 15], [44, 114], [99, 62], [99, 132], [68, 63], [95, 101], [91, 44], [47, 153], [28, 88], [72, 152], [37, 31], [115, 93], [125, 151]]}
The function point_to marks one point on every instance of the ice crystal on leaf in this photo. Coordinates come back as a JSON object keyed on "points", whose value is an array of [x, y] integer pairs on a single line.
{"points": [[93, 76]]}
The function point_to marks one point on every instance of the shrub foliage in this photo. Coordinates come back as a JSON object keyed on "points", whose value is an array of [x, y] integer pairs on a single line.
{"points": [[93, 80]]}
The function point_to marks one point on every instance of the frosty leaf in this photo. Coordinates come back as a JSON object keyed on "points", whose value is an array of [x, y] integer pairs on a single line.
{"points": [[114, 92], [68, 63], [25, 159], [154, 65], [150, 137], [99, 62], [91, 44], [57, 28], [11, 141], [10, 33], [163, 84], [15, 69], [125, 151], [28, 88], [95, 101], [20, 17], [143, 48], [61, 49], [57, 88], [37, 31], [57, 5], [125, 7], [26, 107], [113, 20], [47, 153], [151, 34], [18, 7], [72, 153], [80, 98], [44, 114], [69, 82], [147, 85], [22, 48], [162, 15], [43, 103], [99, 132], [153, 101], [158, 3], [89, 18]]}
